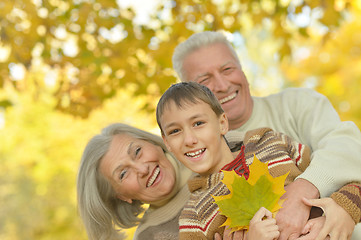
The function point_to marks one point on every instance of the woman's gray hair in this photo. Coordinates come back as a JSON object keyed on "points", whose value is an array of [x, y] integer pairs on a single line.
{"points": [[195, 42], [101, 211]]}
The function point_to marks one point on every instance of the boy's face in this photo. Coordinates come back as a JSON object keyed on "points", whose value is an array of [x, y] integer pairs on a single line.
{"points": [[194, 134]]}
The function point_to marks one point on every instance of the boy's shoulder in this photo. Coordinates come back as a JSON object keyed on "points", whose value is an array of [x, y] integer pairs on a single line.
{"points": [[202, 188], [199, 185], [200, 207], [259, 134]]}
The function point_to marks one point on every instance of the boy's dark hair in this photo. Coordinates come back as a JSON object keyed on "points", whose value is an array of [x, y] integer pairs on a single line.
{"points": [[187, 93]]}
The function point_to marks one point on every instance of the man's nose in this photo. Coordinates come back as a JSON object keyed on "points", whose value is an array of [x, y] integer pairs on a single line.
{"points": [[220, 84]]}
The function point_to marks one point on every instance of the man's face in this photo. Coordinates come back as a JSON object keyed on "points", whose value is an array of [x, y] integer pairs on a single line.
{"points": [[215, 67]]}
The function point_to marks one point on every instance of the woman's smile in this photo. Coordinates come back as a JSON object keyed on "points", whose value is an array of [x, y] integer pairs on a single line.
{"points": [[153, 177]]}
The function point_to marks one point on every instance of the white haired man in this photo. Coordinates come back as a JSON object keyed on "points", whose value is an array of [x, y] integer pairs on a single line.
{"points": [[307, 116]]}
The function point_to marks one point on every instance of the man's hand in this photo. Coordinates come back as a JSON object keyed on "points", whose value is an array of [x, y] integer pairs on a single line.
{"points": [[338, 223], [312, 229], [294, 214]]}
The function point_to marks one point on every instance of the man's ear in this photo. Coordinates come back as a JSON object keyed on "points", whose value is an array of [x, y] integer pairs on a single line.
{"points": [[128, 200], [223, 123]]}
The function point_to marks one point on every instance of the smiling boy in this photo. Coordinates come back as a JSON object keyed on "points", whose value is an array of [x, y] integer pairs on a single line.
{"points": [[193, 125]]}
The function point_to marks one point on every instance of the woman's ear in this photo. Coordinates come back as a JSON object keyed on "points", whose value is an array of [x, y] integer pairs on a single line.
{"points": [[223, 123], [128, 200]]}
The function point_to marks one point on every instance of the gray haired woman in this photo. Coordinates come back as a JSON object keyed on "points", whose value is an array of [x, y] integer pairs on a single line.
{"points": [[121, 169]]}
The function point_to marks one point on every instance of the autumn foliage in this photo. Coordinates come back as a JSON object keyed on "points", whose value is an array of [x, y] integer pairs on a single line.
{"points": [[70, 67], [246, 197]]}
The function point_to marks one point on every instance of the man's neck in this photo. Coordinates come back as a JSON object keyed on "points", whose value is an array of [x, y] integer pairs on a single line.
{"points": [[238, 122]]}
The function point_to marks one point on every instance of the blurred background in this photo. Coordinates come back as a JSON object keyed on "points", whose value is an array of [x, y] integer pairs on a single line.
{"points": [[69, 68]]}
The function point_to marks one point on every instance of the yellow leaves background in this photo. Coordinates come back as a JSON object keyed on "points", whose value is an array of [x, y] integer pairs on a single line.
{"points": [[69, 68], [40, 152]]}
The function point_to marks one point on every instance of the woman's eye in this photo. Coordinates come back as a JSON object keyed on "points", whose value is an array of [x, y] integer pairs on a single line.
{"points": [[122, 174], [137, 150]]}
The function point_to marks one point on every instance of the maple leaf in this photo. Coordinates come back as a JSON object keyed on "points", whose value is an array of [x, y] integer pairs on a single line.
{"points": [[246, 197]]}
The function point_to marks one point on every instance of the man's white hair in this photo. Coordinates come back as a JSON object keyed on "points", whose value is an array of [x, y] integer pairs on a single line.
{"points": [[195, 42]]}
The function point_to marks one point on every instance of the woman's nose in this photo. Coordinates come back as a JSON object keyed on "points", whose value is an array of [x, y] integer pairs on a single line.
{"points": [[141, 168]]}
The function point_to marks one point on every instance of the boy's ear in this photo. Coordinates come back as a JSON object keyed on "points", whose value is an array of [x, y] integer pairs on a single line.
{"points": [[125, 199], [166, 143], [223, 122]]}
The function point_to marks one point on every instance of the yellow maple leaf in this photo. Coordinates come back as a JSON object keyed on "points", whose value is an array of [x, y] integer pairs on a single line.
{"points": [[246, 197]]}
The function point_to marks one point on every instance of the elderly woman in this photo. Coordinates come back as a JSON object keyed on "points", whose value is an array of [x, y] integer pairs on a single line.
{"points": [[124, 163]]}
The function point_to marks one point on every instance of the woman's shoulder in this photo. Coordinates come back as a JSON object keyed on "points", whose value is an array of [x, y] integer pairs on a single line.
{"points": [[166, 231]]}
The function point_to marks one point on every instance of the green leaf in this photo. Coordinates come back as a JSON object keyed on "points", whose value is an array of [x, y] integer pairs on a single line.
{"points": [[248, 196]]}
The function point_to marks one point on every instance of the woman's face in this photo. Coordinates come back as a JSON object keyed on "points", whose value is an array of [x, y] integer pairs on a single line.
{"points": [[137, 170]]}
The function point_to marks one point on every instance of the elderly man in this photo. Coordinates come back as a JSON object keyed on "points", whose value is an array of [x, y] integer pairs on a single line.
{"points": [[307, 116]]}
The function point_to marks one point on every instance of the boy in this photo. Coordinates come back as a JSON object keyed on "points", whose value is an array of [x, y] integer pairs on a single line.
{"points": [[193, 125]]}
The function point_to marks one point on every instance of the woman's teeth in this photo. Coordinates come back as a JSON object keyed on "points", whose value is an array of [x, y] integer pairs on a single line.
{"points": [[153, 177], [226, 99], [195, 154]]}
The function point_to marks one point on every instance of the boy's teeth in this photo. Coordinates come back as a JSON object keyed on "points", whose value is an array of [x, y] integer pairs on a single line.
{"points": [[195, 154], [226, 99], [152, 178]]}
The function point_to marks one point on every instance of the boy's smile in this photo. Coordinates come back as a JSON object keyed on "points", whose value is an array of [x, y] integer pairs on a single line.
{"points": [[194, 133], [195, 154]]}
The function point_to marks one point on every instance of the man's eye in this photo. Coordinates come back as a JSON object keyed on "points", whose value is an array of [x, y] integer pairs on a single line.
{"points": [[227, 70], [122, 174], [203, 81]]}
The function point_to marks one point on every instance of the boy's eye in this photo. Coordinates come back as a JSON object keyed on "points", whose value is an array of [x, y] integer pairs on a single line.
{"points": [[198, 123], [122, 174], [173, 131]]}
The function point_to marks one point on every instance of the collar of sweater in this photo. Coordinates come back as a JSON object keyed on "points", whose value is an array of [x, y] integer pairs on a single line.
{"points": [[204, 182]]}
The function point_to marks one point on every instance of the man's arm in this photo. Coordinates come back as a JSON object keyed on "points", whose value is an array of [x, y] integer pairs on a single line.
{"points": [[309, 118], [335, 144]]}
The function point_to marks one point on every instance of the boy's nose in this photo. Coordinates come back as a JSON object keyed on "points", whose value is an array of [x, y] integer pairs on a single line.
{"points": [[190, 138]]}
